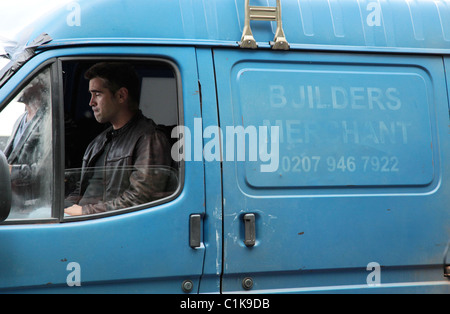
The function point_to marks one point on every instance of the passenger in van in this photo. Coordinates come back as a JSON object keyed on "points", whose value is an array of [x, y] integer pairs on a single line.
{"points": [[27, 149], [122, 167]]}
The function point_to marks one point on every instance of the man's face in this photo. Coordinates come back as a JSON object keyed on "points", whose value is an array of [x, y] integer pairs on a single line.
{"points": [[103, 102]]}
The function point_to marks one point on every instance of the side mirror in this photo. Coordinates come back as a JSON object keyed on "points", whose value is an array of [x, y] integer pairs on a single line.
{"points": [[5, 188]]}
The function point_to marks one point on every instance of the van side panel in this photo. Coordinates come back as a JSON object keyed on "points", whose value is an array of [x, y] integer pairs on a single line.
{"points": [[319, 24], [355, 192]]}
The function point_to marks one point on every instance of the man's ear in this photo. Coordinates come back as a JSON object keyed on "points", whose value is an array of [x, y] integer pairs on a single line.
{"points": [[122, 95]]}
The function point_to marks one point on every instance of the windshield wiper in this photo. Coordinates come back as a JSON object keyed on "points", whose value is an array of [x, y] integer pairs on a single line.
{"points": [[22, 57]]}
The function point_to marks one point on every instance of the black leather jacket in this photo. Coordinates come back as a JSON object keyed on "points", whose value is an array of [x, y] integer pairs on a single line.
{"points": [[136, 163]]}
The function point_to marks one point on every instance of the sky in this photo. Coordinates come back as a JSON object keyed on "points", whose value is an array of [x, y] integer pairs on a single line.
{"points": [[15, 15]]}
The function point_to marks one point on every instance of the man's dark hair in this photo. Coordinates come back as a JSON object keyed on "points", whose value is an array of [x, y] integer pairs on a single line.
{"points": [[116, 76]]}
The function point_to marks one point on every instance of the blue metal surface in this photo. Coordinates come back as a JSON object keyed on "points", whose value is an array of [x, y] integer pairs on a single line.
{"points": [[125, 253], [403, 25], [363, 170], [337, 203]]}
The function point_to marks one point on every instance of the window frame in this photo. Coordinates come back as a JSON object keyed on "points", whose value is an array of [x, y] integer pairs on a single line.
{"points": [[55, 65], [180, 121]]}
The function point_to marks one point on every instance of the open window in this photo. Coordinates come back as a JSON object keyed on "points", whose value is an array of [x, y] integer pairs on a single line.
{"points": [[94, 184], [44, 173]]}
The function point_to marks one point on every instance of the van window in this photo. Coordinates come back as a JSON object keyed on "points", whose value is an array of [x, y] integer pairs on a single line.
{"points": [[108, 171], [26, 140]]}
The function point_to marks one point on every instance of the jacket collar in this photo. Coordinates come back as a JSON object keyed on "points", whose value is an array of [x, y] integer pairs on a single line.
{"points": [[114, 133]]}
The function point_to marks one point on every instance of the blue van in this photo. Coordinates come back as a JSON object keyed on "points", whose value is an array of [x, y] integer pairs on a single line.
{"points": [[310, 145]]}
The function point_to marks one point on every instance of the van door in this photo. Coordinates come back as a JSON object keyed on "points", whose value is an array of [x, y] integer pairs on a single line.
{"points": [[144, 248], [336, 171]]}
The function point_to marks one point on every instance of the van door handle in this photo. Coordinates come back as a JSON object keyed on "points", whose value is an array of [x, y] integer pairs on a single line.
{"points": [[250, 230], [195, 227]]}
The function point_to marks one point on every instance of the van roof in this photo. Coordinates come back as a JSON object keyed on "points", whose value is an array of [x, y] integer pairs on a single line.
{"points": [[359, 25]]}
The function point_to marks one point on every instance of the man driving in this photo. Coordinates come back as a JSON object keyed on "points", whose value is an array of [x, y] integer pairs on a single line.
{"points": [[119, 164]]}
